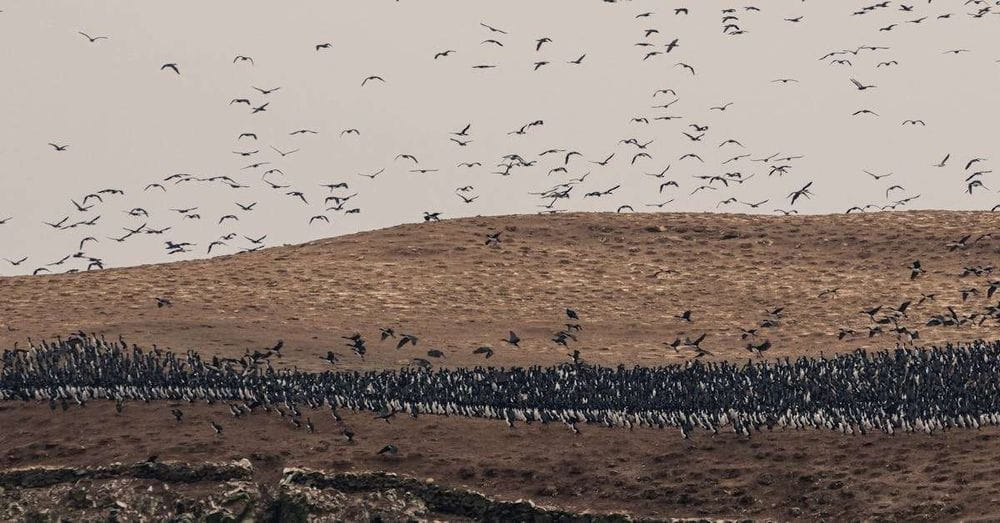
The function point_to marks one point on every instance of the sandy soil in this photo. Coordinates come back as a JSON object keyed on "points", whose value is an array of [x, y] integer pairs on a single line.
{"points": [[440, 282], [648, 472]]}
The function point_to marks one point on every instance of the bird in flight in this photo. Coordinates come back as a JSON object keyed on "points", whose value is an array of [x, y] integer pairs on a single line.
{"points": [[493, 29], [877, 176], [172, 66], [803, 192], [860, 86], [685, 66], [92, 39]]}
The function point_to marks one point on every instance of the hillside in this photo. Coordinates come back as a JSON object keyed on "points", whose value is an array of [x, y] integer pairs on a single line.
{"points": [[627, 276], [440, 282]]}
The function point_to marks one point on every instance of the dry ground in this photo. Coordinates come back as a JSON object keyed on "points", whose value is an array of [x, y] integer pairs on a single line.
{"points": [[440, 282]]}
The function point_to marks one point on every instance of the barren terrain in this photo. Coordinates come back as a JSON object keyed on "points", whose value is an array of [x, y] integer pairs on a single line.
{"points": [[440, 282]]}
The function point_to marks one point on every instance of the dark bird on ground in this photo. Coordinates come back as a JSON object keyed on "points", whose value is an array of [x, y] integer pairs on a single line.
{"points": [[960, 244], [828, 292], [759, 348]]}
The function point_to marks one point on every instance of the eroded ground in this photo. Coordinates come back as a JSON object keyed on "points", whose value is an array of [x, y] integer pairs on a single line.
{"points": [[440, 282]]}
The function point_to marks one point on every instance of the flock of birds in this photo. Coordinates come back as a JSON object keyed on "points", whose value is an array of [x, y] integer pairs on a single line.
{"points": [[907, 389], [721, 163]]}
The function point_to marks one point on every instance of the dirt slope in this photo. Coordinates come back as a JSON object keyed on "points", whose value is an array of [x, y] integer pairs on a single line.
{"points": [[440, 282]]}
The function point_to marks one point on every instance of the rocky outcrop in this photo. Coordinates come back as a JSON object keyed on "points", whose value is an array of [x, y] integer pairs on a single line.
{"points": [[464, 503], [226, 492], [34, 477]]}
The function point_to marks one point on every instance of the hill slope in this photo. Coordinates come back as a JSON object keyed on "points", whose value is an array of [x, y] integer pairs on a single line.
{"points": [[440, 282]]}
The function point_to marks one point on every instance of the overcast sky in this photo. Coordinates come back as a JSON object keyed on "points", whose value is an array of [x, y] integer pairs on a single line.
{"points": [[128, 124]]}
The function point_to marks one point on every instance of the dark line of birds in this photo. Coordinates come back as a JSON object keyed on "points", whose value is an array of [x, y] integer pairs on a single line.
{"points": [[733, 175], [906, 389]]}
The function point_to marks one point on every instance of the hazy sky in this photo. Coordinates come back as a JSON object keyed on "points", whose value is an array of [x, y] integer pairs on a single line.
{"points": [[128, 123]]}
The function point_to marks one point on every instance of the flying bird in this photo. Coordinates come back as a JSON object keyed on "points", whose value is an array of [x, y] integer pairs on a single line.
{"points": [[92, 39]]}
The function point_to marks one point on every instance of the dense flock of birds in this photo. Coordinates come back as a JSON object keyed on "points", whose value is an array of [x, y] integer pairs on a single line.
{"points": [[670, 141], [907, 389]]}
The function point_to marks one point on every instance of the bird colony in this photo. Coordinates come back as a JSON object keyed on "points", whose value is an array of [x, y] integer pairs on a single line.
{"points": [[908, 389]]}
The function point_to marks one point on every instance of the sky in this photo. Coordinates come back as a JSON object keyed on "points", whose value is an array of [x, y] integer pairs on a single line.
{"points": [[127, 123]]}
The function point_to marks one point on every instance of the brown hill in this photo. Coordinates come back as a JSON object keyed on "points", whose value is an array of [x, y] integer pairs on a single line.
{"points": [[440, 282]]}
